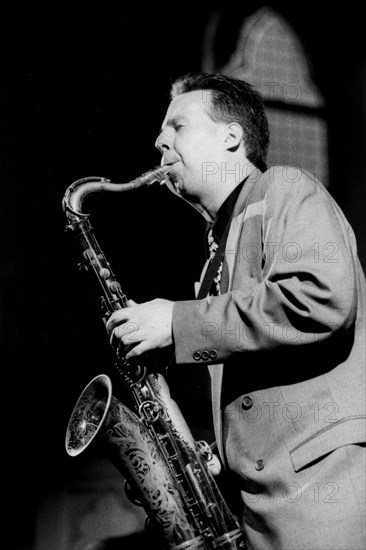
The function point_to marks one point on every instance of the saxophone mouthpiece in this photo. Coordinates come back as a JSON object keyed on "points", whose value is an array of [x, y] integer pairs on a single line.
{"points": [[156, 174], [166, 169]]}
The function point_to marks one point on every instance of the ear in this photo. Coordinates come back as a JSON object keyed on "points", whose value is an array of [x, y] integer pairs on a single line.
{"points": [[234, 136]]}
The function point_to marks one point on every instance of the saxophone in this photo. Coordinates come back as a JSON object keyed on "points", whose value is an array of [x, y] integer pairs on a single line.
{"points": [[165, 470]]}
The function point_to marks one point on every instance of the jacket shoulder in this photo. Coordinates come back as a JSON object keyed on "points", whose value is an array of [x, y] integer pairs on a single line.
{"points": [[289, 176]]}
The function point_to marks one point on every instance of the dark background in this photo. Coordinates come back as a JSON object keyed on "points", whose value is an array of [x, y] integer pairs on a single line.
{"points": [[83, 91]]}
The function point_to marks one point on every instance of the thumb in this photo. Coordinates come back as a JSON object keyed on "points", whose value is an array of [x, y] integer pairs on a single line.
{"points": [[214, 465]]}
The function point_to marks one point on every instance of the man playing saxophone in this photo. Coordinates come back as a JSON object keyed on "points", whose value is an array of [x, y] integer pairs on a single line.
{"points": [[279, 321]]}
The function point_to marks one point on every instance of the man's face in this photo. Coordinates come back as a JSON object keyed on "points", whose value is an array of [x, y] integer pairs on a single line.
{"points": [[190, 141]]}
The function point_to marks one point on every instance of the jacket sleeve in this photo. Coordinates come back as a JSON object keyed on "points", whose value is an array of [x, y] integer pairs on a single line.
{"points": [[307, 289]]}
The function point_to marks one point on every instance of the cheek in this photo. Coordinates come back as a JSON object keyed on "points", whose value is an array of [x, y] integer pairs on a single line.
{"points": [[196, 150]]}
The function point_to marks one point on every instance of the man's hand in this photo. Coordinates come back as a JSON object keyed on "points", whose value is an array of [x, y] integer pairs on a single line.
{"points": [[214, 465], [141, 327]]}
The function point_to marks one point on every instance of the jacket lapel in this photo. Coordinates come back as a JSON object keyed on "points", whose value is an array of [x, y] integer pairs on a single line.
{"points": [[216, 371]]}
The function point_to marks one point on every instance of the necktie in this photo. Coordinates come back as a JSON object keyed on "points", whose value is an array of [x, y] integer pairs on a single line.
{"points": [[213, 246]]}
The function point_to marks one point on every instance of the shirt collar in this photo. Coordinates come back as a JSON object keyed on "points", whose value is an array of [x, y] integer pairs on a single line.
{"points": [[225, 212]]}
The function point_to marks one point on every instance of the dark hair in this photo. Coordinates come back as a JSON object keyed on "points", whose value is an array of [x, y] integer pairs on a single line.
{"points": [[233, 100]]}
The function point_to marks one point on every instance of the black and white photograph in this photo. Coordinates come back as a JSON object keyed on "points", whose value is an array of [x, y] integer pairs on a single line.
{"points": [[182, 288]]}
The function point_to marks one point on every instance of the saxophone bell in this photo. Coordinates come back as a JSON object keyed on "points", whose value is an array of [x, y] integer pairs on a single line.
{"points": [[128, 443], [88, 414]]}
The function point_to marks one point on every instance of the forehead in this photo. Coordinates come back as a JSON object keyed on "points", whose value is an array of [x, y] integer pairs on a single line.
{"points": [[190, 105]]}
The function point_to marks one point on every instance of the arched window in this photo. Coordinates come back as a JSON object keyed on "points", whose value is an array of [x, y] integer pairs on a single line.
{"points": [[269, 55]]}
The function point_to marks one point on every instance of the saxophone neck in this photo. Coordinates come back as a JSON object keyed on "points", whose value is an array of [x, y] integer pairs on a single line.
{"points": [[77, 191]]}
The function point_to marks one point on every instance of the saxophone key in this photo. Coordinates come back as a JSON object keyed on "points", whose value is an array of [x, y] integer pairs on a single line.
{"points": [[104, 273]]}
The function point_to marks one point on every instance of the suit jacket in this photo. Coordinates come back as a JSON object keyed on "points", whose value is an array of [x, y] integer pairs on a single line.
{"points": [[285, 340]]}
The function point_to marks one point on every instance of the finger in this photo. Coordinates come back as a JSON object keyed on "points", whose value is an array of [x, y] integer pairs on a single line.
{"points": [[129, 333], [214, 465], [125, 334], [137, 350], [118, 317], [123, 350]]}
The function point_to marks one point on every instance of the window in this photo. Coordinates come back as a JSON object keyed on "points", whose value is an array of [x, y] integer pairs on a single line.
{"points": [[269, 56]]}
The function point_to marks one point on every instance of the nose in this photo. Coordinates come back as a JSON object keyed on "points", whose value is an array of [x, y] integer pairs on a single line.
{"points": [[161, 142]]}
